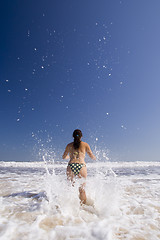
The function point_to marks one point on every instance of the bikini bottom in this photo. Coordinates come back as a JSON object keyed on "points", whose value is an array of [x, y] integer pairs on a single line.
{"points": [[76, 167]]}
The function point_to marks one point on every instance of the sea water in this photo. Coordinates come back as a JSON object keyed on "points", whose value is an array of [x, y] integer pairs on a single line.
{"points": [[37, 202]]}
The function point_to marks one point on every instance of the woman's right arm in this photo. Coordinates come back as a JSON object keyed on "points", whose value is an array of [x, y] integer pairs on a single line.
{"points": [[89, 152]]}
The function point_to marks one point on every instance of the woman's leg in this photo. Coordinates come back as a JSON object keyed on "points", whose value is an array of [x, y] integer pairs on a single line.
{"points": [[82, 193], [82, 174], [70, 174]]}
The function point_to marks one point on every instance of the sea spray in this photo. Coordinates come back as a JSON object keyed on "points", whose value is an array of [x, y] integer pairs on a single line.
{"points": [[102, 190], [122, 207], [62, 207], [62, 196]]}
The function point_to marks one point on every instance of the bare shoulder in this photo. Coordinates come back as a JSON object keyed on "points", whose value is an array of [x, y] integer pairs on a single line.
{"points": [[69, 145], [85, 145]]}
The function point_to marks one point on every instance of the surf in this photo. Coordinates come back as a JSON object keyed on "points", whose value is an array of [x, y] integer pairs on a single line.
{"points": [[38, 201]]}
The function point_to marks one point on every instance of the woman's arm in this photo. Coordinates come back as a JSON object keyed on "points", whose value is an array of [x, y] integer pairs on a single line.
{"points": [[65, 154], [89, 152]]}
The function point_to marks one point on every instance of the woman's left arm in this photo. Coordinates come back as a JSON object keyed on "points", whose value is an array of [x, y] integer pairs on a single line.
{"points": [[65, 154]]}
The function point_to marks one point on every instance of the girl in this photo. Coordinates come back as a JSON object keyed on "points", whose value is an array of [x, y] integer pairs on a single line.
{"points": [[76, 166]]}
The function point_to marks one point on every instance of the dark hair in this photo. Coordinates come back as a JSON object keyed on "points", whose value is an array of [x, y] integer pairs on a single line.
{"points": [[77, 134]]}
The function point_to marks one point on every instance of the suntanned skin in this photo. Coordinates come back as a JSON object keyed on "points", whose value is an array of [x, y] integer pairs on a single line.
{"points": [[77, 156]]}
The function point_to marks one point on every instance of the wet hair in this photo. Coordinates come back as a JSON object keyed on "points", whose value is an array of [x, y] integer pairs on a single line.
{"points": [[77, 134]]}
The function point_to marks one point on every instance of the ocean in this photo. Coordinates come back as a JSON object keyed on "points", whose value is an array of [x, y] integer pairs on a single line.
{"points": [[37, 202]]}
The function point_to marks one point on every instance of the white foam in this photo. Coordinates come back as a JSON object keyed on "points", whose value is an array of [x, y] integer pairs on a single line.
{"points": [[97, 164], [119, 206]]}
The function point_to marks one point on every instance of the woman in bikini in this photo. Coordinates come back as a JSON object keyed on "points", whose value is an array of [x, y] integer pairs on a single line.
{"points": [[77, 166]]}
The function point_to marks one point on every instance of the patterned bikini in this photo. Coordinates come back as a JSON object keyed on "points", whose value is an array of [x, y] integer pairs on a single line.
{"points": [[76, 167]]}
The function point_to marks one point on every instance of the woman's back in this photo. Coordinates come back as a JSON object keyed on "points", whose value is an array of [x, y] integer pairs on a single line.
{"points": [[78, 154]]}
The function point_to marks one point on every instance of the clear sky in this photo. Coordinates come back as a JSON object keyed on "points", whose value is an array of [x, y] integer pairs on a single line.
{"points": [[93, 65]]}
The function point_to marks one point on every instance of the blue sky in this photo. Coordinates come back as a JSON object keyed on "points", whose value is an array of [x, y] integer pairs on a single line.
{"points": [[92, 65]]}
